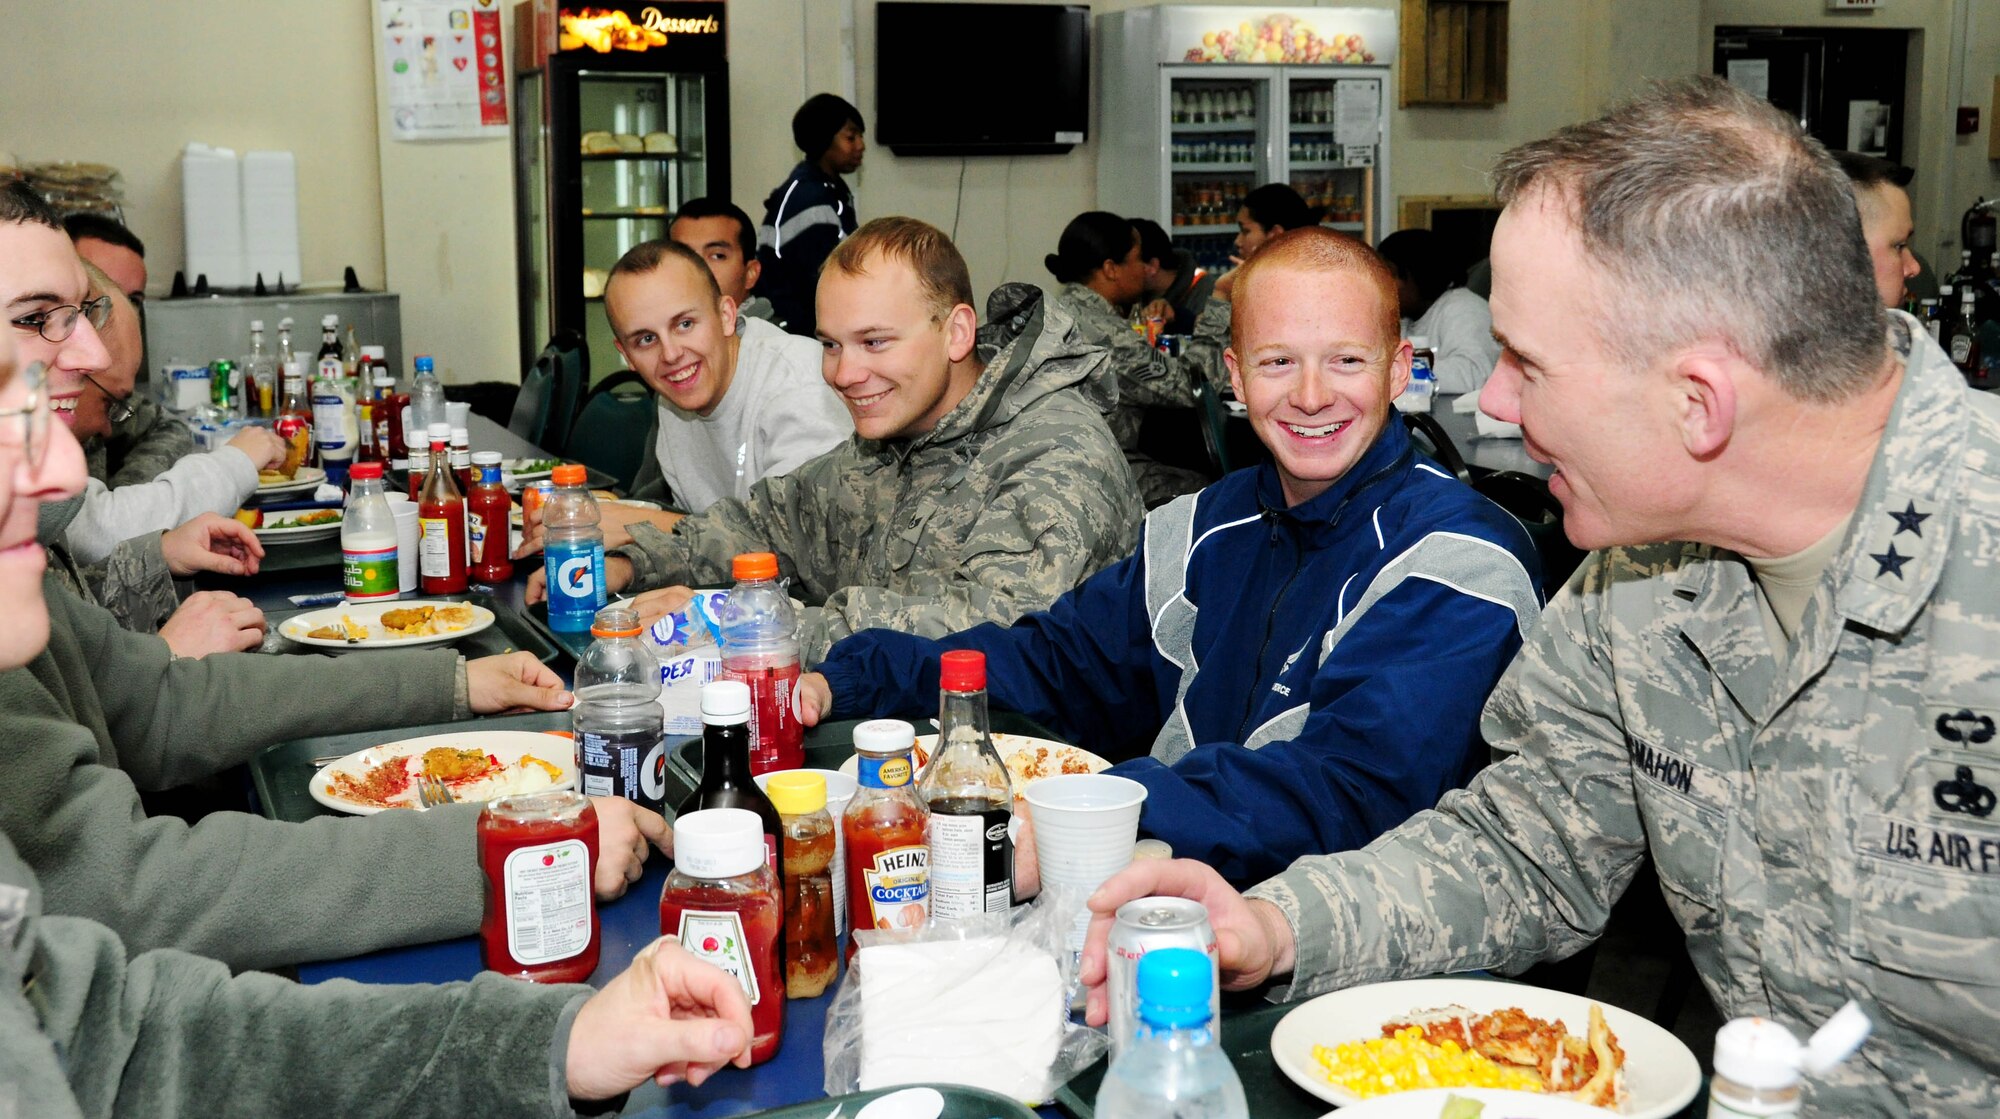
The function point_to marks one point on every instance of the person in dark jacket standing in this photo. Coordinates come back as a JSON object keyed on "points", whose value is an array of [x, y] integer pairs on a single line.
{"points": [[812, 210], [1294, 660]]}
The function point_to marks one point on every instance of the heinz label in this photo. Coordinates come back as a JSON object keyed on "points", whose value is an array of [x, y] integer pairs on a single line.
{"points": [[717, 938], [898, 881]]}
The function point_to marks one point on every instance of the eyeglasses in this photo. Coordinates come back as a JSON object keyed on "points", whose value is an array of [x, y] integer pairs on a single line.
{"points": [[57, 323], [117, 409], [33, 430]]}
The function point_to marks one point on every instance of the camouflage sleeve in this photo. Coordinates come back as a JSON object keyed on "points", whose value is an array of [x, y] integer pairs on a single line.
{"points": [[785, 513], [1522, 865], [135, 584], [1150, 377], [144, 446], [1050, 524]]}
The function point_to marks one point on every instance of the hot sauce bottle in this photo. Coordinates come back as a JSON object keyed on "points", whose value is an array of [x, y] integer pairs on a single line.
{"points": [[539, 854], [721, 902], [888, 864], [812, 951], [487, 508], [441, 523]]}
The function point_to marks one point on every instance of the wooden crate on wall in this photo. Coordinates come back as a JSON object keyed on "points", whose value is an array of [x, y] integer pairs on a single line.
{"points": [[1453, 52]]}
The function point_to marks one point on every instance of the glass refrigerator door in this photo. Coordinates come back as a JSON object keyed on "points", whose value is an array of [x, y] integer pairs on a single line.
{"points": [[1332, 145], [1218, 151], [644, 153]]}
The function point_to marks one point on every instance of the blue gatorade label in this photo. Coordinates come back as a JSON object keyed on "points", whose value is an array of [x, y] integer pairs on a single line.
{"points": [[575, 574]]}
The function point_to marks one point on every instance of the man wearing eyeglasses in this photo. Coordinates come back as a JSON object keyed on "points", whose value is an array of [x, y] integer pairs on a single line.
{"points": [[45, 295]]}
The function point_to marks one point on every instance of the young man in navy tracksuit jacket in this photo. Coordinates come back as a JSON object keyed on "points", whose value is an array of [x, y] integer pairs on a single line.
{"points": [[811, 211], [1295, 659]]}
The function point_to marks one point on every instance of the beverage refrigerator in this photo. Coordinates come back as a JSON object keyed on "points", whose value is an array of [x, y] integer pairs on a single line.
{"points": [[622, 115], [1200, 105]]}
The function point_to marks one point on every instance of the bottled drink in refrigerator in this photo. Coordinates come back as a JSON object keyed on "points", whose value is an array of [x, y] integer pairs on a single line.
{"points": [[970, 797], [760, 647], [1175, 1068], [572, 552], [620, 726]]}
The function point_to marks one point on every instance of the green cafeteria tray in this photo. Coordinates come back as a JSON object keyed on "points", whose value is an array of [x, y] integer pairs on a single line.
{"points": [[572, 643], [1246, 1038], [280, 772], [959, 1103], [304, 556], [509, 631]]}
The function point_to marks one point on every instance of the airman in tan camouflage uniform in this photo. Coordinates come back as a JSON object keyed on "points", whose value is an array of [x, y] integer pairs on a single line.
{"points": [[1814, 774], [1013, 496]]}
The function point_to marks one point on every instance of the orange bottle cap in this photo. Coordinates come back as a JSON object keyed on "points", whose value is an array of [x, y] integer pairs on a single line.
{"points": [[754, 565], [569, 474]]}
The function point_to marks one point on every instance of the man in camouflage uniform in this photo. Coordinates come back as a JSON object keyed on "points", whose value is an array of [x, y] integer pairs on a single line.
{"points": [[981, 481], [1809, 755]]}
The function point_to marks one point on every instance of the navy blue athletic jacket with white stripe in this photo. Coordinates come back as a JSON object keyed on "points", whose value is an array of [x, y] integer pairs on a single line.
{"points": [[804, 218], [1283, 681]]}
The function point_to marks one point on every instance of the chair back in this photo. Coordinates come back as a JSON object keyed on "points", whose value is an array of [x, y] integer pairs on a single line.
{"points": [[1214, 430], [1529, 500], [552, 391], [612, 426], [1431, 438]]}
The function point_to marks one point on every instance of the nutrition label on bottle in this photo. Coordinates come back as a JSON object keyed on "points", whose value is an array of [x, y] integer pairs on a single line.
{"points": [[970, 867], [548, 901]]}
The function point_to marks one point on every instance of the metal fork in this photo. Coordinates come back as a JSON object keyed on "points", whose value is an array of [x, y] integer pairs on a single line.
{"points": [[432, 791]]}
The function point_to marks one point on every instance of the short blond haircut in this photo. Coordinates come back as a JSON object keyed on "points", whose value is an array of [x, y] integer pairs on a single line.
{"points": [[941, 272], [1317, 248]]}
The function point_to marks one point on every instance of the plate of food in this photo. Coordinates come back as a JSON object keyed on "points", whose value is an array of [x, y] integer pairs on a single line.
{"points": [[531, 469], [1384, 1038], [1466, 1103], [386, 625], [474, 765], [276, 481], [1028, 758], [297, 527]]}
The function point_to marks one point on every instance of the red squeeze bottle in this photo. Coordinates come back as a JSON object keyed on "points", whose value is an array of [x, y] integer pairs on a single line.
{"points": [[539, 855], [441, 523], [721, 901], [488, 508]]}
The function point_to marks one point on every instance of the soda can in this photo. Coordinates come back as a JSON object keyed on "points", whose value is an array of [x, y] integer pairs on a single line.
{"points": [[1142, 926], [533, 495]]}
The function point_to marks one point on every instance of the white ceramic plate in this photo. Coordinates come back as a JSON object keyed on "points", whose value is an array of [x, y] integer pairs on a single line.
{"points": [[308, 478], [508, 746], [1661, 1075], [514, 467], [1007, 744], [370, 614], [284, 532], [1427, 1102]]}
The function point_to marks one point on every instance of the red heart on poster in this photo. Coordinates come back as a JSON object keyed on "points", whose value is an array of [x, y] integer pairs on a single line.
{"points": [[458, 38], [458, 62]]}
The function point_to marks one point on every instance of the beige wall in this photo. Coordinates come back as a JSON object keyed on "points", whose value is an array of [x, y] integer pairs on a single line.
{"points": [[241, 74]]}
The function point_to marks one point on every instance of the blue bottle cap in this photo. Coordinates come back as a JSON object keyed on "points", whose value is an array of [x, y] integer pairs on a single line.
{"points": [[1174, 986]]}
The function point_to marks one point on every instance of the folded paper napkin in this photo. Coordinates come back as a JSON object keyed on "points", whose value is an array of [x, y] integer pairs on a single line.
{"points": [[1487, 426], [985, 1012]]}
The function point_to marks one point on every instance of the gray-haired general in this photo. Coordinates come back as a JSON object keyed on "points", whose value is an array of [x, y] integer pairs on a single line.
{"points": [[1777, 675]]}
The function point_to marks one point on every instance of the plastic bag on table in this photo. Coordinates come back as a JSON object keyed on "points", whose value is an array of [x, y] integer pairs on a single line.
{"points": [[981, 1003]]}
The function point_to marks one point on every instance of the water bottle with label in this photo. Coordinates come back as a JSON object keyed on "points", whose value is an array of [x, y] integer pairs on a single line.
{"points": [[1422, 388], [572, 552], [620, 728]]}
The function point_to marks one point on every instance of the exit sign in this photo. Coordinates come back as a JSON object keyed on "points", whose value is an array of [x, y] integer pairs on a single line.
{"points": [[1852, 5]]}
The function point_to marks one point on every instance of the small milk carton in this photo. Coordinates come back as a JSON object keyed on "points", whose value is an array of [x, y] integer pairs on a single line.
{"points": [[687, 641]]}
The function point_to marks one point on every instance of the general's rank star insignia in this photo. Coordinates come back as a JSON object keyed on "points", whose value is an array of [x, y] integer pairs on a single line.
{"points": [[1908, 520], [1891, 563]]}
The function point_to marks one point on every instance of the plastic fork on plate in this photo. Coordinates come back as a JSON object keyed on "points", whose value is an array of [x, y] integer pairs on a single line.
{"points": [[431, 792]]}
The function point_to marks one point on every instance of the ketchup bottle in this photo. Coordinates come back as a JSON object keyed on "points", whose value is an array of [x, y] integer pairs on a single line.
{"points": [[487, 508], [441, 523], [721, 902], [539, 855]]}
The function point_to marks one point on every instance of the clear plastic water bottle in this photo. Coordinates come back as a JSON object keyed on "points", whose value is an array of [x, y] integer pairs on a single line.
{"points": [[760, 647], [1175, 1068], [619, 723], [1423, 379], [427, 398], [573, 552]]}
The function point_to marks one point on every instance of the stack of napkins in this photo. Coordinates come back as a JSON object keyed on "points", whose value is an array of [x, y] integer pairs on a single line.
{"points": [[986, 1012]]}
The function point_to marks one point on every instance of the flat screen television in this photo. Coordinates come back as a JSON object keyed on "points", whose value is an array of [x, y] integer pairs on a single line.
{"points": [[981, 79]]}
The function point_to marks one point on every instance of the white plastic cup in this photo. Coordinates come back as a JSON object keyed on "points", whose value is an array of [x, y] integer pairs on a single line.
{"points": [[457, 412], [1085, 827], [406, 541], [839, 790]]}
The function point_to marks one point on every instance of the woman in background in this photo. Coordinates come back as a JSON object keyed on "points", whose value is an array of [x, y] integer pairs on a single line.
{"points": [[1266, 212], [1438, 308]]}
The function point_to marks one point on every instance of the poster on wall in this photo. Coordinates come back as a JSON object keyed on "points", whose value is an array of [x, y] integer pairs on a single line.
{"points": [[1290, 36], [444, 68]]}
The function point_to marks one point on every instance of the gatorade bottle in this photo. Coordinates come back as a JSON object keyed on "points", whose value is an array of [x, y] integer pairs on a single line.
{"points": [[573, 553], [619, 725], [760, 646]]}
